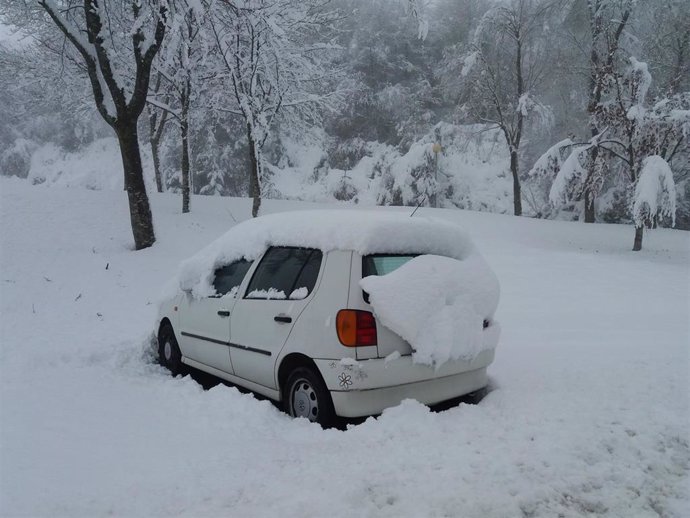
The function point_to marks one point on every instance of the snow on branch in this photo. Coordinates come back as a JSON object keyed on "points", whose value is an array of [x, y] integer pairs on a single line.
{"points": [[640, 80], [570, 177], [418, 8], [551, 162], [655, 192], [527, 104]]}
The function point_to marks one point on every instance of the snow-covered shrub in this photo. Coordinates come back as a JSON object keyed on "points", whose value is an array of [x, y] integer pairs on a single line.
{"points": [[16, 159], [614, 205], [345, 190], [345, 155], [472, 165]]}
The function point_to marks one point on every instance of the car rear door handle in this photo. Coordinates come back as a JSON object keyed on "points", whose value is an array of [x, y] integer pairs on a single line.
{"points": [[283, 319], [223, 313]]}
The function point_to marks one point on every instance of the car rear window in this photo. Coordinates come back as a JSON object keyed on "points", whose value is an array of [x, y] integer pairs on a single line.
{"points": [[381, 264]]}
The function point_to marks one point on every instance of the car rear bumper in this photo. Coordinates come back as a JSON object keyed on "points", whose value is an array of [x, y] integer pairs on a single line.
{"points": [[369, 386], [359, 403]]}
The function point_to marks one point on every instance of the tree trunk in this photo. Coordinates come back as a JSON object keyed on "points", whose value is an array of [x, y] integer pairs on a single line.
{"points": [[517, 196], [185, 167], [638, 239], [157, 165], [589, 206], [184, 130], [184, 127], [254, 185], [139, 209], [154, 141], [589, 181]]}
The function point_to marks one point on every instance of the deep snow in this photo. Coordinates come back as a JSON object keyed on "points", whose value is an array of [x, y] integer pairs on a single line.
{"points": [[588, 416]]}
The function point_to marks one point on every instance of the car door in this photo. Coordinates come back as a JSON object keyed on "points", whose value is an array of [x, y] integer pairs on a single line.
{"points": [[205, 322], [280, 288]]}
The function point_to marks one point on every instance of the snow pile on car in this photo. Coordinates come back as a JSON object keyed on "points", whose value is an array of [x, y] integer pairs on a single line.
{"points": [[361, 231], [438, 304]]}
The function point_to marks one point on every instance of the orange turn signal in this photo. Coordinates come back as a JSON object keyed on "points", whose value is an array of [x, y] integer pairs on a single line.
{"points": [[355, 328]]}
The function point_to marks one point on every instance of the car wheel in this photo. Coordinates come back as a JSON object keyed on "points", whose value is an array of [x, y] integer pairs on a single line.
{"points": [[306, 395], [169, 351]]}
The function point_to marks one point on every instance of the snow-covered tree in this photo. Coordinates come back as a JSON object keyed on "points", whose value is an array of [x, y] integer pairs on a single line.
{"points": [[607, 22], [114, 44], [633, 133], [664, 33], [180, 65], [272, 54], [157, 121], [503, 70]]}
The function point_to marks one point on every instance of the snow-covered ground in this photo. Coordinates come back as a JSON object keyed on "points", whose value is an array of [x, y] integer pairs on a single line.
{"points": [[588, 417]]}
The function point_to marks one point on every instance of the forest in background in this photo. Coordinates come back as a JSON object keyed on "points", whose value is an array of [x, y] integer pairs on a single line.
{"points": [[575, 109]]}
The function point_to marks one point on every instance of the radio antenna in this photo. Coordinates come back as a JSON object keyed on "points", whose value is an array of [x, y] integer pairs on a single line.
{"points": [[420, 204]]}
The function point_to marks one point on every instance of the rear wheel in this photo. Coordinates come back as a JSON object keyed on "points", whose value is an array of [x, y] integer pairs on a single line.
{"points": [[169, 351], [305, 395]]}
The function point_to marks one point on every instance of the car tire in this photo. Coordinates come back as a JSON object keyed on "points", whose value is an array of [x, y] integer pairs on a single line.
{"points": [[305, 395], [169, 351]]}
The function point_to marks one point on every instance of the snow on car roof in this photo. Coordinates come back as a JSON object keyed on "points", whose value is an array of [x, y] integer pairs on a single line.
{"points": [[366, 232]]}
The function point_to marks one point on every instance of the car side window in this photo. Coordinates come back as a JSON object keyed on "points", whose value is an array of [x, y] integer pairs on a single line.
{"points": [[227, 279], [285, 273]]}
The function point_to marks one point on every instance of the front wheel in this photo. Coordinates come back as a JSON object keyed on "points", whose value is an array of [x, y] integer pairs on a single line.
{"points": [[306, 396], [169, 351]]}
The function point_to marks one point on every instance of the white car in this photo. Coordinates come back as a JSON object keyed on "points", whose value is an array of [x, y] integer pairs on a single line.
{"points": [[277, 306]]}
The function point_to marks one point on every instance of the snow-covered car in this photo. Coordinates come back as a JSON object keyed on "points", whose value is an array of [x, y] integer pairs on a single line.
{"points": [[337, 312]]}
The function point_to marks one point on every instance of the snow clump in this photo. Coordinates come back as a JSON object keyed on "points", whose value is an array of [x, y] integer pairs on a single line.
{"points": [[361, 231], [438, 305]]}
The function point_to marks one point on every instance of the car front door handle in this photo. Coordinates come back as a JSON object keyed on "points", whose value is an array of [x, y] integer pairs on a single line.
{"points": [[283, 319], [223, 313]]}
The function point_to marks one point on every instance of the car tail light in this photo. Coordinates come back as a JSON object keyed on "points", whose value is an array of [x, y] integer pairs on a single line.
{"points": [[355, 328]]}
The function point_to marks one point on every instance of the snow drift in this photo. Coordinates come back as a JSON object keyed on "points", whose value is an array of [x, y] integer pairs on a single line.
{"points": [[588, 416]]}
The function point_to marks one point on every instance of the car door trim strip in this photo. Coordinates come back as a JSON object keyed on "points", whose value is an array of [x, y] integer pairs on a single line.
{"points": [[228, 344]]}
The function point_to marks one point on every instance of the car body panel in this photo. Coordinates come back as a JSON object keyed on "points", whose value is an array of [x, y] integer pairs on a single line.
{"points": [[378, 373], [205, 330], [314, 334]]}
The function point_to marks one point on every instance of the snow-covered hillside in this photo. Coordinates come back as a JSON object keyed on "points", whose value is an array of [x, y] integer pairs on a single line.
{"points": [[588, 415], [471, 171]]}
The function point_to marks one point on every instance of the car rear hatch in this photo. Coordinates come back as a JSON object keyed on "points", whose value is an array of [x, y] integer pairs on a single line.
{"points": [[378, 264]]}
